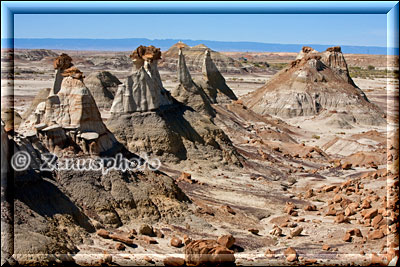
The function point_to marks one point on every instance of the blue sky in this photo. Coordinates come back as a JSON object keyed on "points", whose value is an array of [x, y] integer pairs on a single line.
{"points": [[343, 29]]}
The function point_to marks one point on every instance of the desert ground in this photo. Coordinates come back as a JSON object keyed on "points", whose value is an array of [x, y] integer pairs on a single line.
{"points": [[293, 188]]}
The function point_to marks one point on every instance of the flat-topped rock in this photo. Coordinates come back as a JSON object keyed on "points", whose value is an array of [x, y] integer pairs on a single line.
{"points": [[70, 127], [89, 136], [30, 134], [40, 126], [52, 128]]}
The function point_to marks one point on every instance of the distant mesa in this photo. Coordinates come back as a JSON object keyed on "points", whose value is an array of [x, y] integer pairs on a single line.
{"points": [[316, 84], [34, 54]]}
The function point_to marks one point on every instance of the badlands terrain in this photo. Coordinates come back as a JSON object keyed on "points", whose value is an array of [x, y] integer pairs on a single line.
{"points": [[266, 158]]}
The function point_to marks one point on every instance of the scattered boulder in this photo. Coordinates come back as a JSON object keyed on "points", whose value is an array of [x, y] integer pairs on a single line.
{"points": [[340, 218], [226, 240], [276, 231], [331, 211], [376, 220], [296, 232], [103, 233], [290, 208], [309, 193], [207, 252], [377, 234], [326, 247], [122, 237], [228, 209], [146, 229], [269, 253], [346, 166], [347, 237], [119, 246], [291, 254], [148, 240], [174, 262], [370, 213], [176, 242], [148, 259], [186, 177], [253, 231], [310, 208]]}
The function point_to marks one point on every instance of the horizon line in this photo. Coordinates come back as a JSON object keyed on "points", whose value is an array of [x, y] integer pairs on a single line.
{"points": [[155, 39]]}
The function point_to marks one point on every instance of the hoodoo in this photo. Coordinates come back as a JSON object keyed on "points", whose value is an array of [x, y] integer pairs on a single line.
{"points": [[146, 118], [69, 114], [316, 84], [214, 83], [61, 63], [188, 93], [194, 59], [142, 90]]}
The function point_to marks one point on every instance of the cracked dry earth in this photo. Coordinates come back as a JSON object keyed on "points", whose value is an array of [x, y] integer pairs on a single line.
{"points": [[291, 203]]}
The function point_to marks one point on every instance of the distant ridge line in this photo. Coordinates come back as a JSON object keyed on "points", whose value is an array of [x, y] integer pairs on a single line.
{"points": [[127, 44]]}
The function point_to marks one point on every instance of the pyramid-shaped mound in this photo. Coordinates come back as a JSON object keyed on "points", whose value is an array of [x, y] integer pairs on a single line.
{"points": [[103, 86], [188, 93], [313, 84]]}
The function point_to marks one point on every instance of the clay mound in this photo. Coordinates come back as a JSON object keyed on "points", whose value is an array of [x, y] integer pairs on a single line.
{"points": [[194, 59], [40, 97], [312, 84], [103, 87], [188, 93], [213, 83], [366, 159], [52, 217], [12, 118], [34, 54]]}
